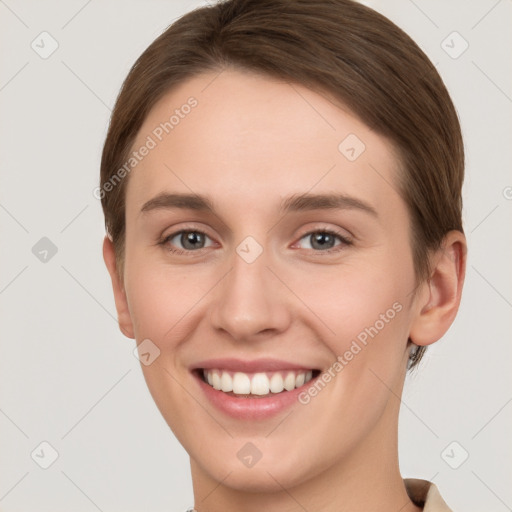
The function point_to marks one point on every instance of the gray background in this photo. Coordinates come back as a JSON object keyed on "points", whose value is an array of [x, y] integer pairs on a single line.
{"points": [[67, 375]]}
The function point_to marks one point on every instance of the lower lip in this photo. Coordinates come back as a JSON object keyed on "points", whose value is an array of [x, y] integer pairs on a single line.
{"points": [[257, 408]]}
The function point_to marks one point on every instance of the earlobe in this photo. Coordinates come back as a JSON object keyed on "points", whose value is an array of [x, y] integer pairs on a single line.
{"points": [[439, 302], [123, 312]]}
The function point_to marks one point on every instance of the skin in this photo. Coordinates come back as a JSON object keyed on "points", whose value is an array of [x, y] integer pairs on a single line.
{"points": [[251, 142]]}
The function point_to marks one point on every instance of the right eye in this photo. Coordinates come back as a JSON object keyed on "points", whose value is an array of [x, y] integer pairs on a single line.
{"points": [[190, 240]]}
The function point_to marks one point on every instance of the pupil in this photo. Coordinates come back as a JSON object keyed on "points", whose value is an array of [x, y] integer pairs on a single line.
{"points": [[190, 238], [322, 239]]}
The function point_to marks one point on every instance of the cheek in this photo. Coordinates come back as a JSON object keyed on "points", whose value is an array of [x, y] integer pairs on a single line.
{"points": [[159, 297], [358, 301], [165, 307], [365, 306], [367, 313]]}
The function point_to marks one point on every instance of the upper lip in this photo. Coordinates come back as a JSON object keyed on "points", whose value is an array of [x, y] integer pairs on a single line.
{"points": [[253, 366]]}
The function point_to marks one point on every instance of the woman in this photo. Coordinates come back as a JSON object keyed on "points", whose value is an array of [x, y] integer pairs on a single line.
{"points": [[281, 183]]}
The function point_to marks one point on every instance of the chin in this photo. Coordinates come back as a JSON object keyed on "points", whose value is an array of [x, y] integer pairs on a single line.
{"points": [[273, 472], [258, 479]]}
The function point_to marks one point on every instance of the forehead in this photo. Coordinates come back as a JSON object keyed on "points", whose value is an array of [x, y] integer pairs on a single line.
{"points": [[240, 136]]}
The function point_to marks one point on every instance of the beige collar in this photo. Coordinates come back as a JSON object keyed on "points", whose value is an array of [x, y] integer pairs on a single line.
{"points": [[425, 494]]}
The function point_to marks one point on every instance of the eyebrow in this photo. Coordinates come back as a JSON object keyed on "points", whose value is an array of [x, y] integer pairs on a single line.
{"points": [[294, 203]]}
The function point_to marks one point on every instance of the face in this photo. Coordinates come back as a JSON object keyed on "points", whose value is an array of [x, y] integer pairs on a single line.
{"points": [[268, 251]]}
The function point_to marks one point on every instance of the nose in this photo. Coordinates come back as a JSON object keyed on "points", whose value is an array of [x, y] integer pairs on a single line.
{"points": [[251, 301]]}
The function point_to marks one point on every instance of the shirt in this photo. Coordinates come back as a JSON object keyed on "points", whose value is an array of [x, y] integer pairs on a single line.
{"points": [[425, 494]]}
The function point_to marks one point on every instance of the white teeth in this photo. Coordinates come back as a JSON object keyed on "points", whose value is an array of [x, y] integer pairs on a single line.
{"points": [[216, 380], [276, 383], [260, 384], [241, 384], [256, 383], [226, 382], [289, 381]]}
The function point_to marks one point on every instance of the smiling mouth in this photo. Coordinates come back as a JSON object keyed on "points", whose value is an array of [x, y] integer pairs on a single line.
{"points": [[254, 385]]}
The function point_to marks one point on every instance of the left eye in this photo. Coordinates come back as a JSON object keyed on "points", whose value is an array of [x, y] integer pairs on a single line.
{"points": [[324, 240]]}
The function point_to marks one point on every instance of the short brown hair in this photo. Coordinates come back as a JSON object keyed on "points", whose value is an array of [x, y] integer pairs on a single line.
{"points": [[339, 46]]}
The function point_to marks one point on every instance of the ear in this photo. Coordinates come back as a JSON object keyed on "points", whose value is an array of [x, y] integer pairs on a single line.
{"points": [[123, 313], [439, 299]]}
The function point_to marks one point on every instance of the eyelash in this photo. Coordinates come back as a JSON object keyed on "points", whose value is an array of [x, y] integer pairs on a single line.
{"points": [[344, 241]]}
